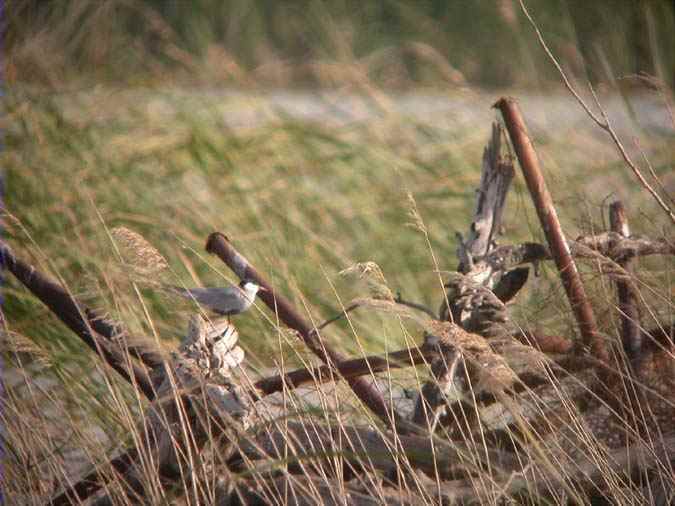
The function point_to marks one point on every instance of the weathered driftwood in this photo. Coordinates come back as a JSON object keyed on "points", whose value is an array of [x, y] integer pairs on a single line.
{"points": [[611, 245], [496, 175], [447, 370], [476, 308], [197, 398], [531, 472], [575, 482], [469, 300], [310, 490], [365, 449], [620, 248], [467, 367]]}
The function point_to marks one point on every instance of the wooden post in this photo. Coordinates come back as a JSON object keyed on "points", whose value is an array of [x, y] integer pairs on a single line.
{"points": [[628, 309]]}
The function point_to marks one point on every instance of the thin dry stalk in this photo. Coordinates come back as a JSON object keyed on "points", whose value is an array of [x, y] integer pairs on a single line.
{"points": [[603, 122]]}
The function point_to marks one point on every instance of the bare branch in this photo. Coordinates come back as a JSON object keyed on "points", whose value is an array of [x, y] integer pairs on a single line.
{"points": [[348, 369], [619, 248], [610, 245], [340, 315], [415, 305], [631, 165], [361, 303]]}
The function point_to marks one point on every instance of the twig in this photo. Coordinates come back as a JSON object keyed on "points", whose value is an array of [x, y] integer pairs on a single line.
{"points": [[415, 305], [611, 245], [219, 245], [73, 314], [566, 81], [627, 159], [358, 304], [552, 229], [628, 309], [603, 123], [347, 369], [342, 314]]}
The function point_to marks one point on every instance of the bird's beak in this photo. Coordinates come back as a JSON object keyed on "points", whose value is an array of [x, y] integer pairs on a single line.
{"points": [[262, 289]]}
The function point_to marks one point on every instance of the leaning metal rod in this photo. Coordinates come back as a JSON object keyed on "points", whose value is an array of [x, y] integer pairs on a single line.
{"points": [[548, 217], [70, 312], [139, 347], [219, 245]]}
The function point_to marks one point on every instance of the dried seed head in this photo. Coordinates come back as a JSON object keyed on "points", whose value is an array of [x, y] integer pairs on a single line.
{"points": [[417, 222], [137, 252], [372, 273]]}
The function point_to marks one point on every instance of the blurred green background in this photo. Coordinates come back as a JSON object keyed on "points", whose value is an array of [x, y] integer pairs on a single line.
{"points": [[392, 43]]}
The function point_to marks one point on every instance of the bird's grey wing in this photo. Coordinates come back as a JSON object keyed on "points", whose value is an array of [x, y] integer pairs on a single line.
{"points": [[218, 299]]}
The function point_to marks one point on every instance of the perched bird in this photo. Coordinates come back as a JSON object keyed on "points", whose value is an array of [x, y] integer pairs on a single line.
{"points": [[224, 301]]}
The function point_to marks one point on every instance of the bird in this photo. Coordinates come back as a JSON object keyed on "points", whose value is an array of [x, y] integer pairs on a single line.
{"points": [[227, 301]]}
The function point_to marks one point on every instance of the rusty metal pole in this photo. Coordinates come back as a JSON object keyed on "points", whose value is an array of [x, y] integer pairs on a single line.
{"points": [[219, 245], [548, 217], [74, 316]]}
